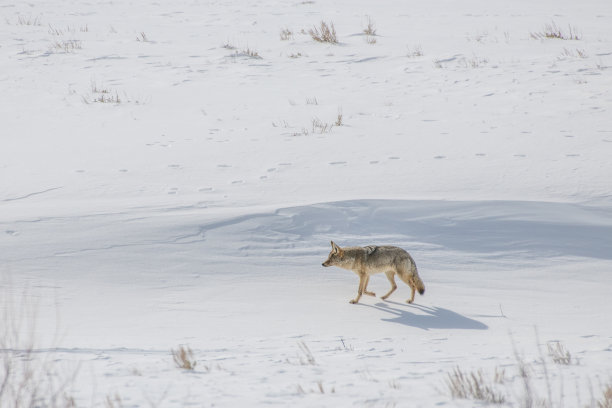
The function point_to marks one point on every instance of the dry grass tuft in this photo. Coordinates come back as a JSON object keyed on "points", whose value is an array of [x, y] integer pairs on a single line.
{"points": [[251, 53], [113, 401], [320, 389], [228, 46], [472, 386], [578, 53], [142, 37], [66, 46], [306, 358], [417, 51], [558, 353], [28, 21], [326, 33], [552, 31], [286, 34], [606, 399], [339, 119], [183, 358], [318, 126], [370, 28]]}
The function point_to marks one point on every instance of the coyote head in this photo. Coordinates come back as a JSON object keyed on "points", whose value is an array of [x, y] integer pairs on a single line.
{"points": [[335, 256]]}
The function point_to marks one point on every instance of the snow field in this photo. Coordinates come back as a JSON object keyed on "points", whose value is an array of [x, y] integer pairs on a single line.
{"points": [[160, 187]]}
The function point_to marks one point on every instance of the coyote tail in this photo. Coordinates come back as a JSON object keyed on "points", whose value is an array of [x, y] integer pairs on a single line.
{"points": [[420, 286]]}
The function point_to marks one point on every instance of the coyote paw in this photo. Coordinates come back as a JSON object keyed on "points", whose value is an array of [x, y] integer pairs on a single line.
{"points": [[384, 297], [370, 293], [352, 301], [409, 301]]}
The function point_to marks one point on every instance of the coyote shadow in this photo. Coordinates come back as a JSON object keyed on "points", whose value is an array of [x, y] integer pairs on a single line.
{"points": [[434, 317]]}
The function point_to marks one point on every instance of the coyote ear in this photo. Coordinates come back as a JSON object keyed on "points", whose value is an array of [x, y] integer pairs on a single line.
{"points": [[333, 244], [335, 248]]}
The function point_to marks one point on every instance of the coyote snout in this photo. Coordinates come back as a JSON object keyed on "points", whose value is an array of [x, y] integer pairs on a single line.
{"points": [[366, 261]]}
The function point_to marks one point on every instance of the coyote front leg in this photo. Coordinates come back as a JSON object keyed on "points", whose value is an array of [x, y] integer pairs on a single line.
{"points": [[365, 288], [362, 283]]}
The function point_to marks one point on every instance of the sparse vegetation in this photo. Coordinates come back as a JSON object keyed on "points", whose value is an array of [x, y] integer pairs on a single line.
{"points": [[472, 385], [142, 37], [251, 53], [306, 357], [183, 358], [28, 21], [339, 118], [286, 34], [113, 401], [325, 33], [228, 46], [320, 389], [318, 126], [55, 31], [558, 353], [370, 28], [417, 51], [577, 53], [66, 46], [474, 62], [606, 399], [552, 31], [27, 378], [96, 89], [370, 31]]}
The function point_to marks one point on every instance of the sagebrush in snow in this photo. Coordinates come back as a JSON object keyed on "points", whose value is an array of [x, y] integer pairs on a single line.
{"points": [[183, 358], [326, 33]]}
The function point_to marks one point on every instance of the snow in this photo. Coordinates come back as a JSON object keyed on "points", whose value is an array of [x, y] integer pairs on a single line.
{"points": [[197, 210]]}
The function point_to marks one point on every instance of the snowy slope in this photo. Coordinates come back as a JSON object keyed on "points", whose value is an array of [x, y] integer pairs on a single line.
{"points": [[161, 187]]}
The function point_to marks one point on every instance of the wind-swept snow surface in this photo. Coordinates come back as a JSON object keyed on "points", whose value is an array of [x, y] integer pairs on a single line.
{"points": [[172, 174]]}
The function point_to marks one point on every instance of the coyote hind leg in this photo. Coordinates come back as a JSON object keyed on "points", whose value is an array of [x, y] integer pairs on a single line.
{"points": [[391, 276], [412, 285]]}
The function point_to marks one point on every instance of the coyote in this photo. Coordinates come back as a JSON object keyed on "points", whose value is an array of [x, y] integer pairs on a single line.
{"points": [[366, 261]]}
